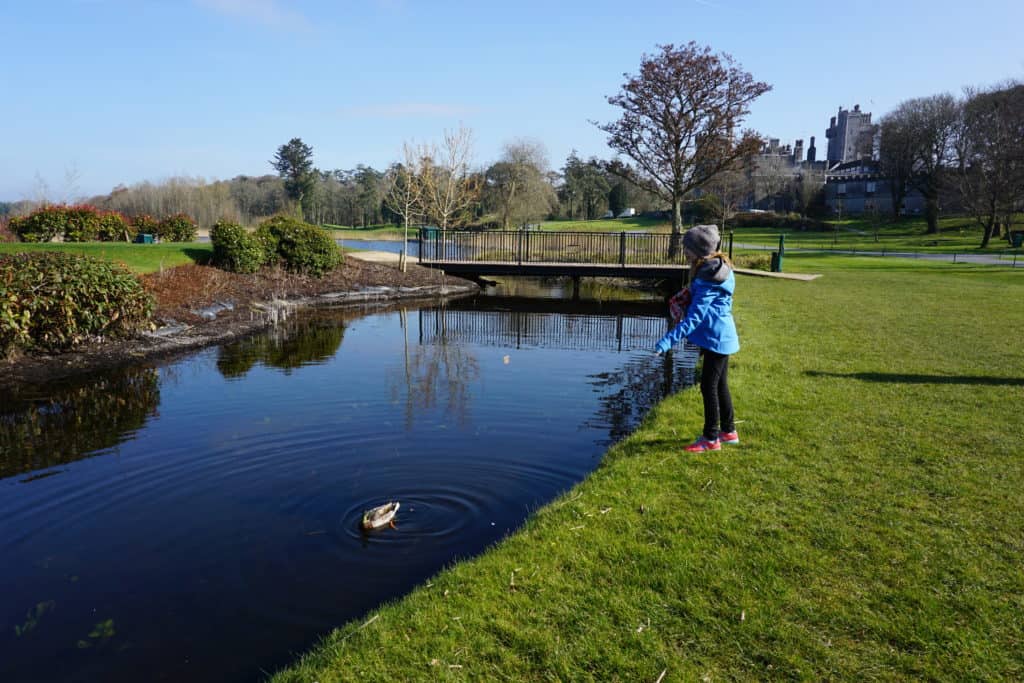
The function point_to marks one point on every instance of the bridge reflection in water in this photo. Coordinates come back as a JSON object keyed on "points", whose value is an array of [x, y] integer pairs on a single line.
{"points": [[530, 323]]}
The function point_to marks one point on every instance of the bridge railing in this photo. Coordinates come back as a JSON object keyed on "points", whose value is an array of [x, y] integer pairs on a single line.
{"points": [[532, 246], [522, 329]]}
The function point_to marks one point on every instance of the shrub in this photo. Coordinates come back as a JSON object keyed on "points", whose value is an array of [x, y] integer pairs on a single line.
{"points": [[266, 238], [177, 228], [301, 247], [753, 261], [42, 225], [6, 234], [112, 226], [52, 301], [81, 223], [235, 249], [76, 223], [144, 224], [707, 209]]}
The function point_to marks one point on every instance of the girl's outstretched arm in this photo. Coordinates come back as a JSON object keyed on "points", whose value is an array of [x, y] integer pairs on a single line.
{"points": [[701, 298]]}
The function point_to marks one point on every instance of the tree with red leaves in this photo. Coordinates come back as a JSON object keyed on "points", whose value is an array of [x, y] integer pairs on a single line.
{"points": [[679, 120]]}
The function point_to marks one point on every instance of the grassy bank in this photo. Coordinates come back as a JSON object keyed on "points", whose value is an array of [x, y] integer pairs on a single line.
{"points": [[868, 527], [139, 258]]}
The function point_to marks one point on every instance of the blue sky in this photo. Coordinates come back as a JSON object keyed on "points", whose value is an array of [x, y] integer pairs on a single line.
{"points": [[100, 92]]}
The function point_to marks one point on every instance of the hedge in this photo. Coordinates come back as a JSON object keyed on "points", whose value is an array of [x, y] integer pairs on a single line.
{"points": [[51, 301]]}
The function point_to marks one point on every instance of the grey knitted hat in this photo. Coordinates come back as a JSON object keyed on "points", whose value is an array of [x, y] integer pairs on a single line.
{"points": [[702, 240]]}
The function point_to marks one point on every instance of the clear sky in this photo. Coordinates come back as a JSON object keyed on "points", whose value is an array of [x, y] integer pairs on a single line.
{"points": [[99, 92]]}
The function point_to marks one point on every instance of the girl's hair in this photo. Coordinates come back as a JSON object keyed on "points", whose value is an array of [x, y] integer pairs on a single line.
{"points": [[704, 259]]}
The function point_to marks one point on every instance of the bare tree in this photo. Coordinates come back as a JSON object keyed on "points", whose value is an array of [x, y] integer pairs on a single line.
{"points": [[772, 175], [517, 184], [449, 189], [404, 194], [896, 158], [731, 188], [926, 126], [990, 156], [808, 185], [680, 116]]}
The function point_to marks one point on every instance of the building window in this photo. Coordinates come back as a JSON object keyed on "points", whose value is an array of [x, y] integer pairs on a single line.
{"points": [[842, 188], [870, 188]]}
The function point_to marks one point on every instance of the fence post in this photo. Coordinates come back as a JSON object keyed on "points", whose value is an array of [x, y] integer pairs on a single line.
{"points": [[732, 234], [519, 246], [622, 249]]}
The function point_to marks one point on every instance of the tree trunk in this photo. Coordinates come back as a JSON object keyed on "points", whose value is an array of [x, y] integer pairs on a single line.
{"points": [[987, 233], [931, 212], [677, 227]]}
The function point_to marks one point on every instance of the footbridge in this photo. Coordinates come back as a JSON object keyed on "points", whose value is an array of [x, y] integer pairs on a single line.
{"points": [[471, 253], [633, 255]]}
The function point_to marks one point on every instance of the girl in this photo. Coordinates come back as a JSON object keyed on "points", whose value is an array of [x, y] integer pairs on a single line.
{"points": [[707, 323]]}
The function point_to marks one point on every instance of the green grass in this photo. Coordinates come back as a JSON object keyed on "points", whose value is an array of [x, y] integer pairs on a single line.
{"points": [[957, 234], [609, 225], [139, 258], [867, 528]]}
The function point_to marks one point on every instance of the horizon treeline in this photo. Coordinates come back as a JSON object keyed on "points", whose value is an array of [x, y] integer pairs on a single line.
{"points": [[582, 189]]}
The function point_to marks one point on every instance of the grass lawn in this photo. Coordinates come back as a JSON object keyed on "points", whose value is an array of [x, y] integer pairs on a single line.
{"points": [[609, 225], [869, 526], [139, 258], [956, 235]]}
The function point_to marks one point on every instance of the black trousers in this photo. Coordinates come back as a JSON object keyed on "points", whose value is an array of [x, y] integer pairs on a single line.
{"points": [[714, 388]]}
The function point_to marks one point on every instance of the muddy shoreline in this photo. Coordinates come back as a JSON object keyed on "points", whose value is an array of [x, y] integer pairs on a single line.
{"points": [[247, 304]]}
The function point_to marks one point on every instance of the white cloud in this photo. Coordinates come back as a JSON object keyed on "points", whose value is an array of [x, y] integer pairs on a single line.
{"points": [[267, 12], [404, 110]]}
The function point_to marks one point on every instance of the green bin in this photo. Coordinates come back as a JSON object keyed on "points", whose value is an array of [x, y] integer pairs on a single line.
{"points": [[144, 238], [1017, 239]]}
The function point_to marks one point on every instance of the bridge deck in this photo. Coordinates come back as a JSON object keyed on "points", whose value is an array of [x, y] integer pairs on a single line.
{"points": [[631, 270]]}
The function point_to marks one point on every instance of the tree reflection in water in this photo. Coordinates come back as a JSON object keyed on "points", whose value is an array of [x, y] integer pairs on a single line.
{"points": [[435, 375], [62, 423], [287, 346], [635, 388]]}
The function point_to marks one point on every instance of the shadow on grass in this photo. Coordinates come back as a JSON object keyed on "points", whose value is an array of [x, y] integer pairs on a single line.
{"points": [[199, 256], [897, 378]]}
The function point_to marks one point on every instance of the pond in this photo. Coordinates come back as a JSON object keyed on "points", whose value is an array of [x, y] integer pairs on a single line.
{"points": [[390, 246], [199, 520]]}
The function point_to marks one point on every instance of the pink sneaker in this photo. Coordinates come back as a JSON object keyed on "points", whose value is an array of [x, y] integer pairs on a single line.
{"points": [[729, 437], [702, 444]]}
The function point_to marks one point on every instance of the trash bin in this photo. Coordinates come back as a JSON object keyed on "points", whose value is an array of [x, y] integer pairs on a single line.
{"points": [[775, 262], [143, 238], [1017, 239]]}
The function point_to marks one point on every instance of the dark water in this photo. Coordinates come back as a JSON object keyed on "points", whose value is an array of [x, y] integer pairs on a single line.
{"points": [[199, 521]]}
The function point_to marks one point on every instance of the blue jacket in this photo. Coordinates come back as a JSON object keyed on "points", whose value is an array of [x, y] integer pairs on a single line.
{"points": [[708, 321]]}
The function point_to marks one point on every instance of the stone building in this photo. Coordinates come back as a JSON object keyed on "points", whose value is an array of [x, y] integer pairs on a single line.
{"points": [[856, 188], [851, 137]]}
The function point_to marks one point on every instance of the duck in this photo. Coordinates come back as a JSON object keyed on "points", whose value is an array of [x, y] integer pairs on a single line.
{"points": [[380, 516]]}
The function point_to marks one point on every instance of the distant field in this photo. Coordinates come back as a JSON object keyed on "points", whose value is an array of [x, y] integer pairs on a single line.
{"points": [[956, 234], [139, 258], [609, 225]]}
